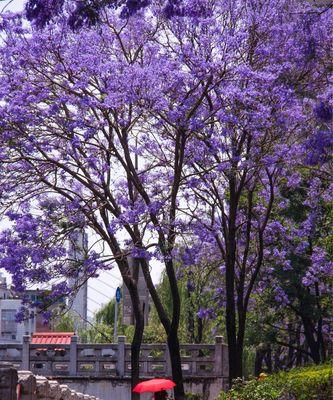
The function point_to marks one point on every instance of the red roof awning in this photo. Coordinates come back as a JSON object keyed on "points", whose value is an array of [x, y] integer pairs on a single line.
{"points": [[52, 338]]}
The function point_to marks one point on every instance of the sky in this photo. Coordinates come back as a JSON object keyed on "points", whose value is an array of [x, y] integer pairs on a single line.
{"points": [[103, 288], [14, 5]]}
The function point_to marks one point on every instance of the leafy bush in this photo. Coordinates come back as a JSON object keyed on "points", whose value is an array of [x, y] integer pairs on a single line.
{"points": [[308, 383], [192, 396]]}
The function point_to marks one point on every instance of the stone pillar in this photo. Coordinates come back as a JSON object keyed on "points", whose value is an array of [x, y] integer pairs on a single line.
{"points": [[218, 363], [26, 353], [28, 385], [168, 369], [8, 381], [225, 366], [73, 356], [121, 356]]}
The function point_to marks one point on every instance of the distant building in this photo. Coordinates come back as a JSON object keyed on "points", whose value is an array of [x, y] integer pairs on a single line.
{"points": [[79, 303], [10, 330], [10, 304], [128, 315], [4, 291]]}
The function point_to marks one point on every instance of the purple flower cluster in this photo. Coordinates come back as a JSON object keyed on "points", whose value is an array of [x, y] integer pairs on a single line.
{"points": [[208, 313]]}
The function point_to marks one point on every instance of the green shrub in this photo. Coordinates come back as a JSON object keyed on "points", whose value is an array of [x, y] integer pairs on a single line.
{"points": [[308, 383], [192, 396]]}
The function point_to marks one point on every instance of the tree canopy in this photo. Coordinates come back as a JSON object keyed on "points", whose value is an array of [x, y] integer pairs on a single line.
{"points": [[194, 140]]}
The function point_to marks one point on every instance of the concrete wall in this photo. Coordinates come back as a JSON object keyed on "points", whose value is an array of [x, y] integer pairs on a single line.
{"points": [[104, 370], [120, 389]]}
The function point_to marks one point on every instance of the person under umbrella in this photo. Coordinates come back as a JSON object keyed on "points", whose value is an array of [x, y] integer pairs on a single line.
{"points": [[161, 395], [157, 386]]}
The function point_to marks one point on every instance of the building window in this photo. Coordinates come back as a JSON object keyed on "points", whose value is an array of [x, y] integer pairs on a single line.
{"points": [[8, 323]]}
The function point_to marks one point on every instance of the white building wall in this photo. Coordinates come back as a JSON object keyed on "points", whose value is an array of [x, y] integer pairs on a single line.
{"points": [[79, 303], [27, 327]]}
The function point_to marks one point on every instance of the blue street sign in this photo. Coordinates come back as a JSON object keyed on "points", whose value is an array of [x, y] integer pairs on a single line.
{"points": [[118, 295]]}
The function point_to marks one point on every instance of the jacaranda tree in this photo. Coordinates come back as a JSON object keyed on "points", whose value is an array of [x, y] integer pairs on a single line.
{"points": [[258, 127], [90, 156], [105, 150]]}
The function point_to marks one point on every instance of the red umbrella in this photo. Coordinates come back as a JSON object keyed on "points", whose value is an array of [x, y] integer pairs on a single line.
{"points": [[154, 385]]}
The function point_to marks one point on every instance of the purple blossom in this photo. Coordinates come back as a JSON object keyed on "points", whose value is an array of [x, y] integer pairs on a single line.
{"points": [[324, 112], [320, 147], [207, 313]]}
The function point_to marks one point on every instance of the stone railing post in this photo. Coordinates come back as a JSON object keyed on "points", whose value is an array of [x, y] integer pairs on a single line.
{"points": [[168, 370], [218, 362], [26, 353], [8, 381], [73, 356], [121, 356], [225, 356]]}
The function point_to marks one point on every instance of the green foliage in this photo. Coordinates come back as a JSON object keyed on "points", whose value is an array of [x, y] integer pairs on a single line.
{"points": [[307, 383], [96, 332], [106, 313], [192, 396], [192, 329]]}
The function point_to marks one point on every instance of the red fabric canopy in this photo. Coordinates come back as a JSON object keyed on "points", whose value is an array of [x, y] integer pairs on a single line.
{"points": [[154, 385], [52, 338]]}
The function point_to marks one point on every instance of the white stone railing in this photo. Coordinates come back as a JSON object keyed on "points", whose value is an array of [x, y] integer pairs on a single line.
{"points": [[113, 360]]}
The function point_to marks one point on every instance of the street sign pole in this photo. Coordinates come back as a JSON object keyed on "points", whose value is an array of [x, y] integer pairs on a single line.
{"points": [[118, 297], [115, 323]]}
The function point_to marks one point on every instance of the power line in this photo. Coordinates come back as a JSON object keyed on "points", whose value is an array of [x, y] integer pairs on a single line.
{"points": [[106, 284], [103, 294], [113, 276], [96, 302]]}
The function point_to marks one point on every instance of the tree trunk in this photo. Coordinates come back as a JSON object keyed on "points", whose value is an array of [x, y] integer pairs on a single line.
{"points": [[173, 341], [268, 359], [176, 366], [277, 361], [231, 335], [190, 319], [138, 333], [199, 330], [171, 328], [320, 338], [291, 350], [311, 341], [258, 360], [298, 344], [135, 356], [235, 364]]}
